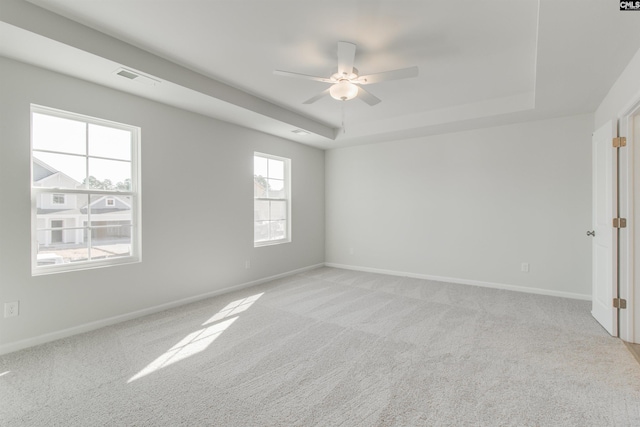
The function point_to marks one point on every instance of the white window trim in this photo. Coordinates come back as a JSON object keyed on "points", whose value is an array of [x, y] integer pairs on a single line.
{"points": [[135, 193], [287, 186]]}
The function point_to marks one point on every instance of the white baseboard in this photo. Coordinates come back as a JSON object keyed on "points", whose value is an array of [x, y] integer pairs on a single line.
{"points": [[86, 327], [516, 288]]}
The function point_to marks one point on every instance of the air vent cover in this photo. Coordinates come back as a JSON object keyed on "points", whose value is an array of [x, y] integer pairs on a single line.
{"points": [[127, 74], [136, 77]]}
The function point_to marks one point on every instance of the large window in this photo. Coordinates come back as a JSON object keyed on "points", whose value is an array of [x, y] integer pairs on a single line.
{"points": [[272, 200], [85, 192]]}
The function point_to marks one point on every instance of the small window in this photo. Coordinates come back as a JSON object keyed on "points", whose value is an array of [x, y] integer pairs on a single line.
{"points": [[86, 192], [271, 199], [57, 199]]}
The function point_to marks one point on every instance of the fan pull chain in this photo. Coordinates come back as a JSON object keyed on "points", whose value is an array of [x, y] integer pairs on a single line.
{"points": [[343, 128]]}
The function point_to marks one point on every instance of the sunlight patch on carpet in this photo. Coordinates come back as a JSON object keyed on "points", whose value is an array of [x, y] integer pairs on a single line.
{"points": [[199, 340], [233, 308]]}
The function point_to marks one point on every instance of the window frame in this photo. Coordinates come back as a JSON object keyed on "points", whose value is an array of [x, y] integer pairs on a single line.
{"points": [[287, 200], [134, 193]]}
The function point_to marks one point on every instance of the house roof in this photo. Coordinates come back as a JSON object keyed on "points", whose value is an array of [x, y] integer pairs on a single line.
{"points": [[41, 170]]}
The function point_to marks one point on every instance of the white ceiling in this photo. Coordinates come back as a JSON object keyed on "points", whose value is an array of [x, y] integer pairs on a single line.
{"points": [[482, 62]]}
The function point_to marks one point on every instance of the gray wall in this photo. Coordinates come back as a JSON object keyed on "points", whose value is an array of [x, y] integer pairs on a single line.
{"points": [[469, 207], [623, 94], [197, 208]]}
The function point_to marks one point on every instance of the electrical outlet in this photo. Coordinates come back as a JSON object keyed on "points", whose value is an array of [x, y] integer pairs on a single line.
{"points": [[11, 309], [525, 267], [247, 264]]}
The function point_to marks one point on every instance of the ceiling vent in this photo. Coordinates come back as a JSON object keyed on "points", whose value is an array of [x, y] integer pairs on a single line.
{"points": [[137, 77]]}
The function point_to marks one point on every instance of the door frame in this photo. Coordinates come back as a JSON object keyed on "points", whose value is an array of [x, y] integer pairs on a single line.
{"points": [[629, 288]]}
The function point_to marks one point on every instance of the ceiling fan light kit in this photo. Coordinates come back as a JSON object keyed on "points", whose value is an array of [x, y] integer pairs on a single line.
{"points": [[346, 83], [344, 90]]}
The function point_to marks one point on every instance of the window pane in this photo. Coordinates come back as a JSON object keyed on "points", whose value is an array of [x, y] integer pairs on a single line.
{"points": [[58, 134], [261, 231], [261, 210], [111, 221], [276, 189], [109, 142], [277, 230], [260, 166], [62, 254], [278, 210], [109, 175], [111, 225], [110, 208], [110, 239], [60, 207], [276, 169], [58, 241], [58, 170], [259, 186]]}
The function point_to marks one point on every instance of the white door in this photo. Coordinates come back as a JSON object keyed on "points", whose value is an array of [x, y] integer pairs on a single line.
{"points": [[604, 242]]}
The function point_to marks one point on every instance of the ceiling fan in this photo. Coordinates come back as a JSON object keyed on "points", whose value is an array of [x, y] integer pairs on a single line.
{"points": [[346, 83]]}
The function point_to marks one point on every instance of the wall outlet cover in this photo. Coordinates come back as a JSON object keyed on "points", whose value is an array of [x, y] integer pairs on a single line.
{"points": [[11, 309]]}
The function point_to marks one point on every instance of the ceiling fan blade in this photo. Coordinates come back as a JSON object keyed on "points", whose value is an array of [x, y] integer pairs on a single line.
{"points": [[346, 56], [367, 97], [317, 97], [403, 73], [302, 76]]}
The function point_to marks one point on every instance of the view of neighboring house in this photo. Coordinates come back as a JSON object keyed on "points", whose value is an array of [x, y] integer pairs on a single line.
{"points": [[269, 213], [63, 220]]}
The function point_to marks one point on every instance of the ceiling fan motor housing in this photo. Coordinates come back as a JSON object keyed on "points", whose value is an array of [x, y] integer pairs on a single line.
{"points": [[351, 77]]}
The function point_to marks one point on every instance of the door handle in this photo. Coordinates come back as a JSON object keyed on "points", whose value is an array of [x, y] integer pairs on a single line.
{"points": [[591, 233]]}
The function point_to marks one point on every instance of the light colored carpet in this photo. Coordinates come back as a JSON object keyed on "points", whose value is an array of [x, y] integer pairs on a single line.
{"points": [[333, 347]]}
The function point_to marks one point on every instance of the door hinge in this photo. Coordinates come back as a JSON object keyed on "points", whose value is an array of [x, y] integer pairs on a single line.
{"points": [[619, 303], [619, 223], [619, 142]]}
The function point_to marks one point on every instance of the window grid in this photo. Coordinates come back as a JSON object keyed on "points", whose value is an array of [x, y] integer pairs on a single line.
{"points": [[74, 246], [272, 204]]}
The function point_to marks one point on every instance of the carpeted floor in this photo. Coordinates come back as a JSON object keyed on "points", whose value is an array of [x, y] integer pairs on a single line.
{"points": [[333, 347]]}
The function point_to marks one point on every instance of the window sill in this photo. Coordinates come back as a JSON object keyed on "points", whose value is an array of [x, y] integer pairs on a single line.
{"points": [[78, 266], [270, 243]]}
